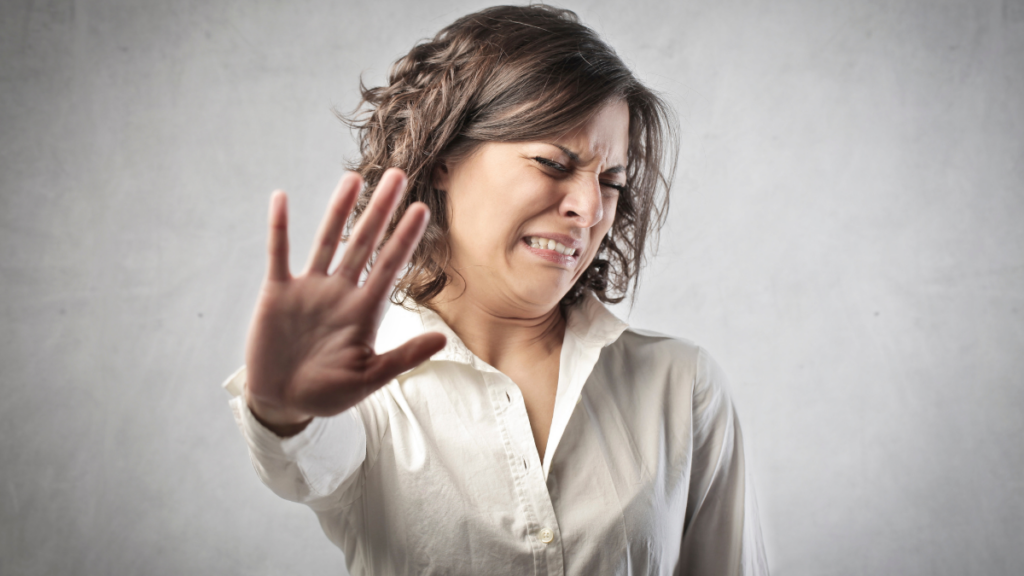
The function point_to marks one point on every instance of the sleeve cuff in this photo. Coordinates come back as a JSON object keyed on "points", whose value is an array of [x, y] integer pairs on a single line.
{"points": [[234, 384], [326, 452]]}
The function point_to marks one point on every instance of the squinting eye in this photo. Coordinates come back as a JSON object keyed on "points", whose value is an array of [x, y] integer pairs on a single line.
{"points": [[620, 188], [549, 163]]}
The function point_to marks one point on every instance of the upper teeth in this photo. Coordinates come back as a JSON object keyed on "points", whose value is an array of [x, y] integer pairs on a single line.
{"points": [[548, 244]]}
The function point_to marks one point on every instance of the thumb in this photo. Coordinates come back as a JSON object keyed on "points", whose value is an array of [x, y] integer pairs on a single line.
{"points": [[406, 357]]}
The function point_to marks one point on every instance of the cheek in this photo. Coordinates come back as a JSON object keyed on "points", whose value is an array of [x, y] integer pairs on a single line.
{"points": [[602, 228], [608, 219], [480, 230]]}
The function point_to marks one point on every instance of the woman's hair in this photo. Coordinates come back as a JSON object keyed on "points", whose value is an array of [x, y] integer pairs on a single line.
{"points": [[512, 74]]}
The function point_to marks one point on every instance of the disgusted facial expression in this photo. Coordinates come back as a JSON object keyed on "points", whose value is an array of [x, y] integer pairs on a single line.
{"points": [[527, 218]]}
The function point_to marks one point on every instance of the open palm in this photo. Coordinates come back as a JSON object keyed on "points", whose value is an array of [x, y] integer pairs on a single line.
{"points": [[310, 350]]}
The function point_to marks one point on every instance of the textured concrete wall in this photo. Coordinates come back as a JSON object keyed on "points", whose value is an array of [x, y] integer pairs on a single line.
{"points": [[847, 237]]}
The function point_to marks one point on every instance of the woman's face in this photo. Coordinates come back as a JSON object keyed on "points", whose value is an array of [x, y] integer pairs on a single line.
{"points": [[527, 217]]}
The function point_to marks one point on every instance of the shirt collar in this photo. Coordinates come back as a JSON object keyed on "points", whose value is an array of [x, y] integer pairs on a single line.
{"points": [[589, 321], [593, 323]]}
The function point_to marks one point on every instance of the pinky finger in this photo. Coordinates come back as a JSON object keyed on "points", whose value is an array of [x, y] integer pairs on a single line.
{"points": [[277, 241]]}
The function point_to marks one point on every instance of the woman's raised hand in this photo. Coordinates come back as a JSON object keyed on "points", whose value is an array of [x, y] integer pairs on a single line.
{"points": [[310, 347]]}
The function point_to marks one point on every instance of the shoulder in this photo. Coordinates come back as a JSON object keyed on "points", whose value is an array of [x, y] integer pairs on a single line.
{"points": [[674, 360], [653, 342], [657, 349]]}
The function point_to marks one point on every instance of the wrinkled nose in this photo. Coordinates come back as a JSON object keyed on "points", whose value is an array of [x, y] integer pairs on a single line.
{"points": [[582, 203]]}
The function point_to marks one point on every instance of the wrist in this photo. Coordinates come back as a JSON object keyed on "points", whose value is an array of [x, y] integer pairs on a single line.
{"points": [[283, 423]]}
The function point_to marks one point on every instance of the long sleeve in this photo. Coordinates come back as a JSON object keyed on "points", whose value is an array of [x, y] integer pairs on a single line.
{"points": [[722, 533], [317, 467]]}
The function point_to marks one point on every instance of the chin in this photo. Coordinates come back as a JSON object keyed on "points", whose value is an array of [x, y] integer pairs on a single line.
{"points": [[542, 298]]}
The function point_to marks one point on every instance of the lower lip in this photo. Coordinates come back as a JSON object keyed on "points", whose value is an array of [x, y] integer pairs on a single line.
{"points": [[552, 256]]}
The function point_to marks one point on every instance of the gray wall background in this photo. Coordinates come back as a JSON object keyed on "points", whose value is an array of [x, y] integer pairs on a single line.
{"points": [[847, 238]]}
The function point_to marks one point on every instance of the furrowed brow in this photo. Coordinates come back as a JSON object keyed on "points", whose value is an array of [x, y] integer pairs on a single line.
{"points": [[576, 158], [572, 155]]}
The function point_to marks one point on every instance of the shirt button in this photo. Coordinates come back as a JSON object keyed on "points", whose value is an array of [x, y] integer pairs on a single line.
{"points": [[545, 535]]}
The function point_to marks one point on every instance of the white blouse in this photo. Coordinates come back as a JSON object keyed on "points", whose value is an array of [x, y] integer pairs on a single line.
{"points": [[437, 472]]}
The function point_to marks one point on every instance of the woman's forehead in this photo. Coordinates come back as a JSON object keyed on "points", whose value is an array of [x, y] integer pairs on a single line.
{"points": [[604, 134]]}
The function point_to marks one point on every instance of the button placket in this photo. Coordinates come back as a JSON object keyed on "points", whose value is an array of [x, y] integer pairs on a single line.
{"points": [[530, 479]]}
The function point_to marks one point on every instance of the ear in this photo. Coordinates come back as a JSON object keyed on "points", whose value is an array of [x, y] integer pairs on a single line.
{"points": [[439, 176]]}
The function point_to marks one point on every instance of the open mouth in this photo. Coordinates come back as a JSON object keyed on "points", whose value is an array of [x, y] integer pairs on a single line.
{"points": [[541, 243]]}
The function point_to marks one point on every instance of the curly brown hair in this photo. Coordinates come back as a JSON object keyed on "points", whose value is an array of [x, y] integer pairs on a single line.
{"points": [[512, 74]]}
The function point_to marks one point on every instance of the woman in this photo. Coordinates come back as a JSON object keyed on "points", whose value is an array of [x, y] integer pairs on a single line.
{"points": [[501, 421]]}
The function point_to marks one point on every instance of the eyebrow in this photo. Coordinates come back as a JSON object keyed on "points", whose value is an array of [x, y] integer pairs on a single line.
{"points": [[576, 158]]}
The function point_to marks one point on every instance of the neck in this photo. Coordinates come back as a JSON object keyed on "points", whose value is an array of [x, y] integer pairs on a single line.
{"points": [[499, 334]]}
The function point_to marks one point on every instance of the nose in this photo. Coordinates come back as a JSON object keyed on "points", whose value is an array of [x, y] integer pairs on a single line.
{"points": [[582, 202]]}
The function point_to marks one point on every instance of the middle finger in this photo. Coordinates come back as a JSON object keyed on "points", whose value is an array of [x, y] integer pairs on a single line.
{"points": [[333, 223], [372, 224]]}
